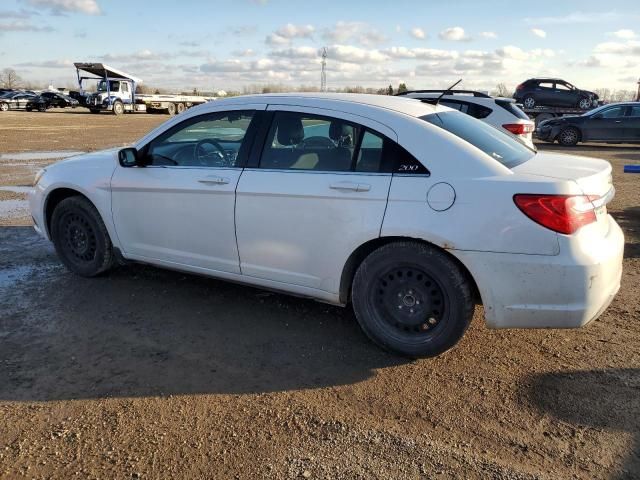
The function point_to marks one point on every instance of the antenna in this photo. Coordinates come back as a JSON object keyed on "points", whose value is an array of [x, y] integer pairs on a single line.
{"points": [[447, 91], [323, 72]]}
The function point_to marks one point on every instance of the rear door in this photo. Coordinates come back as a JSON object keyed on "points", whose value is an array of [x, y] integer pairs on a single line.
{"points": [[317, 190], [545, 93]]}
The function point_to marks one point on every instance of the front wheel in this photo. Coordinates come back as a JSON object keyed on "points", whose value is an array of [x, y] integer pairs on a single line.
{"points": [[412, 299], [569, 137], [80, 237], [585, 103], [4, 107], [118, 107]]}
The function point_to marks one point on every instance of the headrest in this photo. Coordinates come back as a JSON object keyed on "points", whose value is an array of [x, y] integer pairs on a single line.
{"points": [[290, 131], [338, 130]]}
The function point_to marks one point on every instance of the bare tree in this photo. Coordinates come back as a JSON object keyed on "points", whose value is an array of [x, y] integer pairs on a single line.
{"points": [[9, 78], [501, 90]]}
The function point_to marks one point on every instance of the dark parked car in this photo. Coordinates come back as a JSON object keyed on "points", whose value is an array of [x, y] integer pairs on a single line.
{"points": [[56, 99], [613, 123], [553, 92], [21, 100]]}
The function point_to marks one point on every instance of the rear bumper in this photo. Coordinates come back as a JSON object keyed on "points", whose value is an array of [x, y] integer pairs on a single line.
{"points": [[537, 291]]}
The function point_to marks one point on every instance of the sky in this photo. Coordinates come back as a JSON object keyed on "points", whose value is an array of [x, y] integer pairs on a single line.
{"points": [[229, 44]]}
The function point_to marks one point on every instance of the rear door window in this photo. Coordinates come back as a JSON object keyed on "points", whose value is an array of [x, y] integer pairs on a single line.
{"points": [[613, 112], [634, 111], [500, 146], [512, 108]]}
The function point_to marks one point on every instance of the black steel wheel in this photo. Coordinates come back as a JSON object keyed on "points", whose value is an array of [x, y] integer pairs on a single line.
{"points": [[80, 237], [412, 299]]}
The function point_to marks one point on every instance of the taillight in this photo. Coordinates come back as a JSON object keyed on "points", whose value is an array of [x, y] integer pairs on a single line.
{"points": [[518, 128], [560, 213], [520, 87]]}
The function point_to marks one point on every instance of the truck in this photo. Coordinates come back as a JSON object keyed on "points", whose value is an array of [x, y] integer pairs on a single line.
{"points": [[539, 114], [116, 93]]}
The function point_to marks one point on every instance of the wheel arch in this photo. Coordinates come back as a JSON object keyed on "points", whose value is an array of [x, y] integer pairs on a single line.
{"points": [[360, 253], [54, 197]]}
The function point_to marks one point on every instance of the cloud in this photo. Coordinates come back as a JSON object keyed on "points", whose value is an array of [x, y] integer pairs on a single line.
{"points": [[454, 34], [539, 33], [57, 7], [418, 33], [22, 26], [579, 17], [189, 44], [247, 52], [22, 14], [296, 52], [488, 35], [48, 64], [353, 54], [400, 53], [284, 35], [356, 32], [624, 34], [618, 48]]}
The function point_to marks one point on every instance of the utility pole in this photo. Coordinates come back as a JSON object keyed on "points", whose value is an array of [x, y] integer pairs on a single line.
{"points": [[638, 94], [323, 72]]}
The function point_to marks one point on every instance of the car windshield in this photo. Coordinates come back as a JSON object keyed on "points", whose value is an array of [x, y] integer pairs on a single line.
{"points": [[499, 145], [114, 86]]}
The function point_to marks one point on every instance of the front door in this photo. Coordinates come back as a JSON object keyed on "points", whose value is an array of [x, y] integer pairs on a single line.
{"points": [[319, 191], [607, 125], [179, 209]]}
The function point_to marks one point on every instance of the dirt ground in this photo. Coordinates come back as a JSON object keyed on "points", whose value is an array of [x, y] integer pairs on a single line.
{"points": [[146, 373]]}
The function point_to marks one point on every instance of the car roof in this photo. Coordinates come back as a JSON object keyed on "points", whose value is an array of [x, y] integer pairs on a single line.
{"points": [[338, 101]]}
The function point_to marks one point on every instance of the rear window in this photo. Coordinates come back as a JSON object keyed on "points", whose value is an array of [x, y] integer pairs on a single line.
{"points": [[512, 108], [499, 145]]}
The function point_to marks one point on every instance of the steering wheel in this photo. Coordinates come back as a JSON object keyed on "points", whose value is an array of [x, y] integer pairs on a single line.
{"points": [[316, 142], [216, 158]]}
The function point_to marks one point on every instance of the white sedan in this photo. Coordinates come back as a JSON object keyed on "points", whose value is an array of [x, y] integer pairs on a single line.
{"points": [[412, 213]]}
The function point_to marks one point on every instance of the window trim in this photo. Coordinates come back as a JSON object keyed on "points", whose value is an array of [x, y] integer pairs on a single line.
{"points": [[243, 152], [265, 129]]}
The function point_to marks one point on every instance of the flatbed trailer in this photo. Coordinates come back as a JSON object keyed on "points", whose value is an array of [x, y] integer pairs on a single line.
{"points": [[170, 103], [539, 114]]}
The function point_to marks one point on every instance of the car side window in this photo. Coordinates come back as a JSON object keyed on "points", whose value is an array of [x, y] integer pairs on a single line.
{"points": [[634, 111], [614, 112], [370, 153], [562, 86], [546, 84], [212, 140], [301, 141]]}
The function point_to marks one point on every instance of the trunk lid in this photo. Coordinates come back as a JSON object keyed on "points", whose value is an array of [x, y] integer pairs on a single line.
{"points": [[592, 175]]}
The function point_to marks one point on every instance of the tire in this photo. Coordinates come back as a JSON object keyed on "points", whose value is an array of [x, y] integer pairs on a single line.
{"points": [[180, 107], [171, 109], [28, 109], [529, 102], [42, 108], [80, 238], [569, 137], [412, 299], [4, 107], [585, 103], [118, 107]]}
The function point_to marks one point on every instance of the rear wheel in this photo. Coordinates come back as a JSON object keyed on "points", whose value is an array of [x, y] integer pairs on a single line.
{"points": [[42, 108], [529, 102], [4, 107], [568, 136], [181, 107], [171, 109], [412, 299], [80, 237]]}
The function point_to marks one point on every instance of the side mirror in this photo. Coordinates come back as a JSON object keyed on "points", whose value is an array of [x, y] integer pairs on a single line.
{"points": [[128, 157]]}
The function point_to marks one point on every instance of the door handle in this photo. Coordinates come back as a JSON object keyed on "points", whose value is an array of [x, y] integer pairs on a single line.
{"points": [[350, 186], [214, 180], [618, 121]]}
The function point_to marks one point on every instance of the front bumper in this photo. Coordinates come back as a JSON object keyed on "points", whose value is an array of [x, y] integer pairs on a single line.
{"points": [[36, 205], [538, 291], [547, 133]]}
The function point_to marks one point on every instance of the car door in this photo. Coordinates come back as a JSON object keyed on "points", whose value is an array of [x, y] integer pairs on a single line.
{"points": [[606, 125], [20, 101], [544, 93], [565, 95], [632, 123], [317, 192], [179, 209]]}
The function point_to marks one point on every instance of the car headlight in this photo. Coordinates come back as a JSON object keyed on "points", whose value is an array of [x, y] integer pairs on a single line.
{"points": [[38, 176]]}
